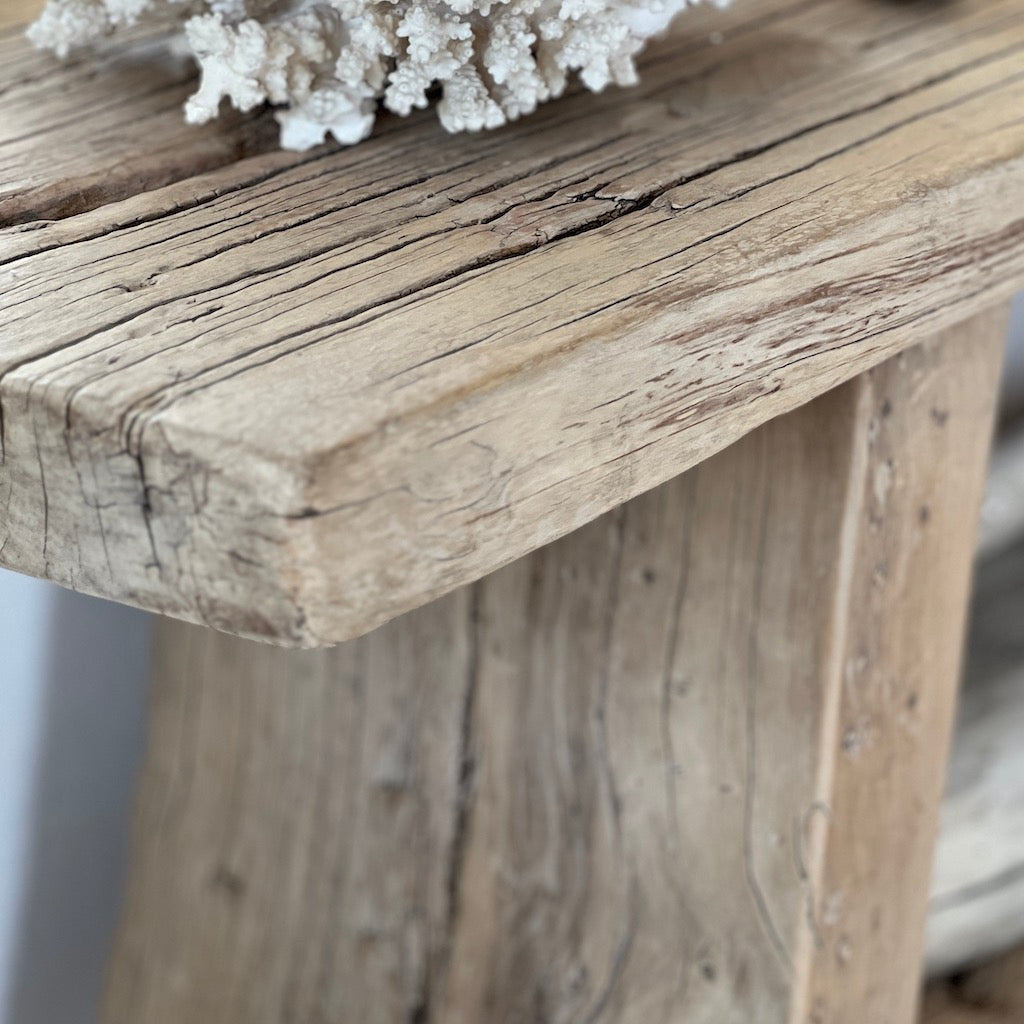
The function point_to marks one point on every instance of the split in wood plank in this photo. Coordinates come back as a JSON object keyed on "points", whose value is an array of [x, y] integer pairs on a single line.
{"points": [[18, 13]]}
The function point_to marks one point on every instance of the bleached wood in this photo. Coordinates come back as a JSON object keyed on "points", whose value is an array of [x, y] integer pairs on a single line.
{"points": [[899, 670], [1002, 515], [105, 125], [15, 13], [601, 785], [295, 396], [508, 779]]}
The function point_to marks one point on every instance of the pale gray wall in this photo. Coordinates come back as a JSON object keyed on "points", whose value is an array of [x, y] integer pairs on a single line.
{"points": [[73, 682]]}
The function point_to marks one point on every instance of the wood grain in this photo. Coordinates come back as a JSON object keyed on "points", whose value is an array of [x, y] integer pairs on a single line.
{"points": [[485, 810], [106, 124], [293, 399], [900, 670], [15, 13], [598, 786]]}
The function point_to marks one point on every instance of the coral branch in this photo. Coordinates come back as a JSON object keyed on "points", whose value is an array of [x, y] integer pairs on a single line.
{"points": [[327, 63]]}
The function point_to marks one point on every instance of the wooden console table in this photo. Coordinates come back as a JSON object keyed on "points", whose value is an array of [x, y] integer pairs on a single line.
{"points": [[635, 451]]}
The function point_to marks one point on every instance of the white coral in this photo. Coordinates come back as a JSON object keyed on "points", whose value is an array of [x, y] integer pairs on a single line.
{"points": [[327, 63]]}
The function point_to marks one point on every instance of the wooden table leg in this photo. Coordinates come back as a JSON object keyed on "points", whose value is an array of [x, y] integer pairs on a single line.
{"points": [[929, 426], [682, 766]]}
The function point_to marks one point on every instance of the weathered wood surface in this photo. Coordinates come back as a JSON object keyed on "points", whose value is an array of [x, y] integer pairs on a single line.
{"points": [[16, 13], [106, 125], [900, 670], [977, 906], [609, 783], [295, 396]]}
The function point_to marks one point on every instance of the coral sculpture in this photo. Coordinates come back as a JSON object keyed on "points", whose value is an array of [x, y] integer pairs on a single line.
{"points": [[327, 63]]}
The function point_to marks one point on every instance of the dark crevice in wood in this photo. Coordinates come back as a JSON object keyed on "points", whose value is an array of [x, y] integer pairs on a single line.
{"points": [[116, 101], [261, 274], [605, 768], [203, 198], [736, 328], [465, 795], [757, 893], [620, 958]]}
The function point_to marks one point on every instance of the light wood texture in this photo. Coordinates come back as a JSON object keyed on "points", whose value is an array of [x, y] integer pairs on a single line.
{"points": [[606, 783], [484, 810], [977, 906], [106, 124], [294, 396], [992, 994], [900, 670], [15, 13]]}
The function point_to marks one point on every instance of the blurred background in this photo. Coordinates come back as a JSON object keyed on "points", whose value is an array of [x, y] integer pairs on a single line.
{"points": [[73, 688]]}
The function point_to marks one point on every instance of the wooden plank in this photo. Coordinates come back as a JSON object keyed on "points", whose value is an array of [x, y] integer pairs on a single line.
{"points": [[597, 785], [102, 126], [299, 404], [900, 668], [131, 147], [483, 811]]}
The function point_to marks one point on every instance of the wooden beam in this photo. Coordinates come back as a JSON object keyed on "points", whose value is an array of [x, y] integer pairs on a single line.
{"points": [[900, 669], [17, 13], [292, 398], [613, 782]]}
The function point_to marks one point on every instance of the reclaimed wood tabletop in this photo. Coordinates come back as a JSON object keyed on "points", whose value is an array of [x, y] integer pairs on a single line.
{"points": [[293, 395]]}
